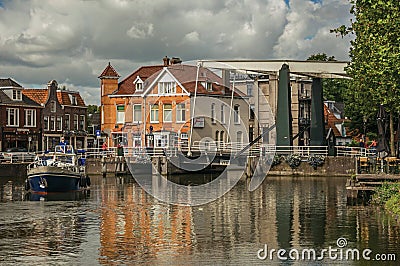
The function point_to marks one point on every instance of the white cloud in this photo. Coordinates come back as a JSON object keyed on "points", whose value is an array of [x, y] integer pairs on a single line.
{"points": [[140, 31], [72, 41], [191, 37]]}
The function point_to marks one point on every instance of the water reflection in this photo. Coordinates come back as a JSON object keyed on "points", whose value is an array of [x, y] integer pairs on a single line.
{"points": [[121, 224]]}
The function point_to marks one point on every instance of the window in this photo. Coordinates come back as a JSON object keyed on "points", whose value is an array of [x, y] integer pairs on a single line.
{"points": [[252, 113], [52, 123], [67, 122], [17, 95], [167, 113], [239, 137], [184, 136], [120, 114], [180, 112], [222, 114], [236, 114], [213, 113], [46, 123], [82, 122], [59, 123], [139, 86], [249, 89], [12, 116], [166, 88], [209, 86], [137, 113], [154, 113], [72, 99], [75, 122], [30, 118], [53, 106]]}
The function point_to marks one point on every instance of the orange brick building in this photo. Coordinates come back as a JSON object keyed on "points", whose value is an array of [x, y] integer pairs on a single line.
{"points": [[152, 106]]}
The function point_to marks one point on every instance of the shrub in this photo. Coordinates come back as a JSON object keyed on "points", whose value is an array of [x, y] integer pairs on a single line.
{"points": [[293, 160], [316, 160]]}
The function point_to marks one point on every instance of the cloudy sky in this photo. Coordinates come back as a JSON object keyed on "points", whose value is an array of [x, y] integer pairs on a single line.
{"points": [[72, 41]]}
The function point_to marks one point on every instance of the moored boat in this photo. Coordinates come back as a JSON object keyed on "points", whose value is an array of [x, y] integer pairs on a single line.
{"points": [[62, 170]]}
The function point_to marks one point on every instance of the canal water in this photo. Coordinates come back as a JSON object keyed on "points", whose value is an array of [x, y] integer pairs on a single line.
{"points": [[118, 223]]}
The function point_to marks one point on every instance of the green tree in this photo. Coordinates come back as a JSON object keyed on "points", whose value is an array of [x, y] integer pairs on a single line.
{"points": [[92, 109], [334, 89], [374, 55]]}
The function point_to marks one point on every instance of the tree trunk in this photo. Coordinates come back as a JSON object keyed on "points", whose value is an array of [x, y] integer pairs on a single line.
{"points": [[391, 128]]}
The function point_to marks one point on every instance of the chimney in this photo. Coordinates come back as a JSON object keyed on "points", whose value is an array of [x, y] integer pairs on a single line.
{"points": [[175, 60], [166, 61]]}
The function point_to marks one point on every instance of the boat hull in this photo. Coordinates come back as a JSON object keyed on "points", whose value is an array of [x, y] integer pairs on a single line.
{"points": [[53, 179]]}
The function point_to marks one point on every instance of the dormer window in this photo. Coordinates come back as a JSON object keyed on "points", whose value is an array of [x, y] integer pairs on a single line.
{"points": [[17, 95], [139, 86], [72, 98], [209, 86]]}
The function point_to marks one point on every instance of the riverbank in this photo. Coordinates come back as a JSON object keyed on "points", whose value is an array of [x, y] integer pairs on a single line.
{"points": [[388, 195]]}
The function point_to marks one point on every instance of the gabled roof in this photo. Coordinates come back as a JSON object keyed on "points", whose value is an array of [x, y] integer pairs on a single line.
{"points": [[127, 86], [40, 96], [184, 74], [26, 101], [109, 72], [64, 99], [8, 82], [331, 120]]}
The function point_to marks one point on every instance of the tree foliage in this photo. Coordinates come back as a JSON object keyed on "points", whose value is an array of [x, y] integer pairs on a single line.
{"points": [[374, 54]]}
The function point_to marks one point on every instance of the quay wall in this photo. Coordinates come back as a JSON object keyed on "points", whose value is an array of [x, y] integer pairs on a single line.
{"points": [[333, 166], [13, 170]]}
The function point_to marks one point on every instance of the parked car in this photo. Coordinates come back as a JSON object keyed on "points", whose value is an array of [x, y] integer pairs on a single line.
{"points": [[17, 154]]}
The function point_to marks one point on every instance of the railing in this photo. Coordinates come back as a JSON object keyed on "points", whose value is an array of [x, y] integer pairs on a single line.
{"points": [[17, 157], [220, 148], [355, 151], [232, 148]]}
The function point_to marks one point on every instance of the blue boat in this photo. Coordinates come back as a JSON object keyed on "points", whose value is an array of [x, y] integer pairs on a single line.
{"points": [[62, 170]]}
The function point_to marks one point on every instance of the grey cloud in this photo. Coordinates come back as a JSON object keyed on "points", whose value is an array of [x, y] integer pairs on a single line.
{"points": [[72, 41]]}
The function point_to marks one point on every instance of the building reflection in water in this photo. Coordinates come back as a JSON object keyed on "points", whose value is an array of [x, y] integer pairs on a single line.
{"points": [[285, 212], [135, 227]]}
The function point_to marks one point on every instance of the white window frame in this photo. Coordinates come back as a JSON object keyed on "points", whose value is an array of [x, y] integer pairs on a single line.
{"points": [[76, 122], [236, 114], [137, 113], [46, 125], [154, 113], [166, 88], [30, 117], [12, 114], [82, 121], [17, 95], [59, 123], [139, 86], [120, 118], [181, 113], [167, 115], [52, 123]]}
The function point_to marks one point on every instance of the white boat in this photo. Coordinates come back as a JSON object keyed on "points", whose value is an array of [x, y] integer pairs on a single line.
{"points": [[62, 170]]}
